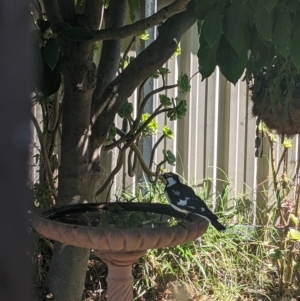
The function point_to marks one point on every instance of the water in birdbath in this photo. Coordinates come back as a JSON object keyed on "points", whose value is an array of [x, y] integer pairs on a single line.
{"points": [[117, 217]]}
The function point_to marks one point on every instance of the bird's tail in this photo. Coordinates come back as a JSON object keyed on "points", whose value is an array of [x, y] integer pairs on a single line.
{"points": [[218, 225]]}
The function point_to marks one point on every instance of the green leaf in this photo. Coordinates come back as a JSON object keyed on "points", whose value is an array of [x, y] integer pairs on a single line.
{"points": [[112, 133], [203, 7], [233, 28], [292, 6], [212, 26], [169, 156], [80, 7], [51, 53], [263, 24], [177, 51], [134, 7], [294, 219], [269, 4], [231, 64], [288, 143], [207, 58], [282, 34], [144, 35], [78, 34], [295, 48], [277, 254], [51, 80], [184, 83], [151, 128], [247, 10], [167, 132], [163, 71], [125, 110], [262, 54], [293, 235], [179, 110], [165, 100]]}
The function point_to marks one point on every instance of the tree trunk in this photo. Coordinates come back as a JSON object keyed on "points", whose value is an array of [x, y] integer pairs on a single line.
{"points": [[76, 176]]}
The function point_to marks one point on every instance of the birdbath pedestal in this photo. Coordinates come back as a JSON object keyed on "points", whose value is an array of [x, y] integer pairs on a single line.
{"points": [[119, 233]]}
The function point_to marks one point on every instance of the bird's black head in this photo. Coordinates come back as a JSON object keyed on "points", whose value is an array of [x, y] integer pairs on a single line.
{"points": [[171, 177]]}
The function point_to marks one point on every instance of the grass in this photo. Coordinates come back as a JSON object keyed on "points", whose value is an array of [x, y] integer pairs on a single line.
{"points": [[244, 263]]}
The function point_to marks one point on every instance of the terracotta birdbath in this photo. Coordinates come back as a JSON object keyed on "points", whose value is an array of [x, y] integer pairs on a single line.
{"points": [[119, 233]]}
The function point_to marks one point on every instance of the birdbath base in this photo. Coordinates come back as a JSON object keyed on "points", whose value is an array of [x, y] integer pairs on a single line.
{"points": [[119, 279]]}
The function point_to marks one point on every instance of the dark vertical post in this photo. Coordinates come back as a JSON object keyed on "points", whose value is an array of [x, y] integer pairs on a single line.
{"points": [[15, 80]]}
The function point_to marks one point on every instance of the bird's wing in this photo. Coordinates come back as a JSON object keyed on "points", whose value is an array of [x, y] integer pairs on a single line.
{"points": [[195, 205]]}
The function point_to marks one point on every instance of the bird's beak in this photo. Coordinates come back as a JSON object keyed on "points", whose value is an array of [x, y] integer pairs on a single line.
{"points": [[163, 178]]}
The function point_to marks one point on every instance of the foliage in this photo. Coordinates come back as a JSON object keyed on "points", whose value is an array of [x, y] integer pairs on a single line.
{"points": [[229, 29], [285, 214]]}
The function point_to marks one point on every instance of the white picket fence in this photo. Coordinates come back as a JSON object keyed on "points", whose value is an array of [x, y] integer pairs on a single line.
{"points": [[216, 138]]}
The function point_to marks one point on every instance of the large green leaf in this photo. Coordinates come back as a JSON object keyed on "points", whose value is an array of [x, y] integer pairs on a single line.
{"points": [[282, 34], [80, 7], [269, 4], [231, 64], [263, 23], [295, 47], [203, 7], [51, 80], [207, 58], [212, 26], [79, 34], [261, 52], [51, 53], [134, 7], [246, 11], [233, 28]]}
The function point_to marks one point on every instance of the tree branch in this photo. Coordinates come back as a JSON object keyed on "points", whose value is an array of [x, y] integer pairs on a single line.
{"points": [[146, 63], [156, 19], [93, 14], [110, 53], [67, 10]]}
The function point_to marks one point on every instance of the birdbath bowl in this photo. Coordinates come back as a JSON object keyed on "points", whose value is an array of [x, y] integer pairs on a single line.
{"points": [[119, 233]]}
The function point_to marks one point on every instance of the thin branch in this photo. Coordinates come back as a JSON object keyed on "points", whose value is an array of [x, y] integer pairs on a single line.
{"points": [[54, 134], [137, 151], [132, 136], [129, 47], [45, 156], [131, 166], [139, 96], [281, 160], [154, 149], [55, 107], [132, 29], [275, 181], [146, 98], [113, 172]]}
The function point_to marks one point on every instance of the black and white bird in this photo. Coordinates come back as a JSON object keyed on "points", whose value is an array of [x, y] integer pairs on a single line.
{"points": [[183, 198]]}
